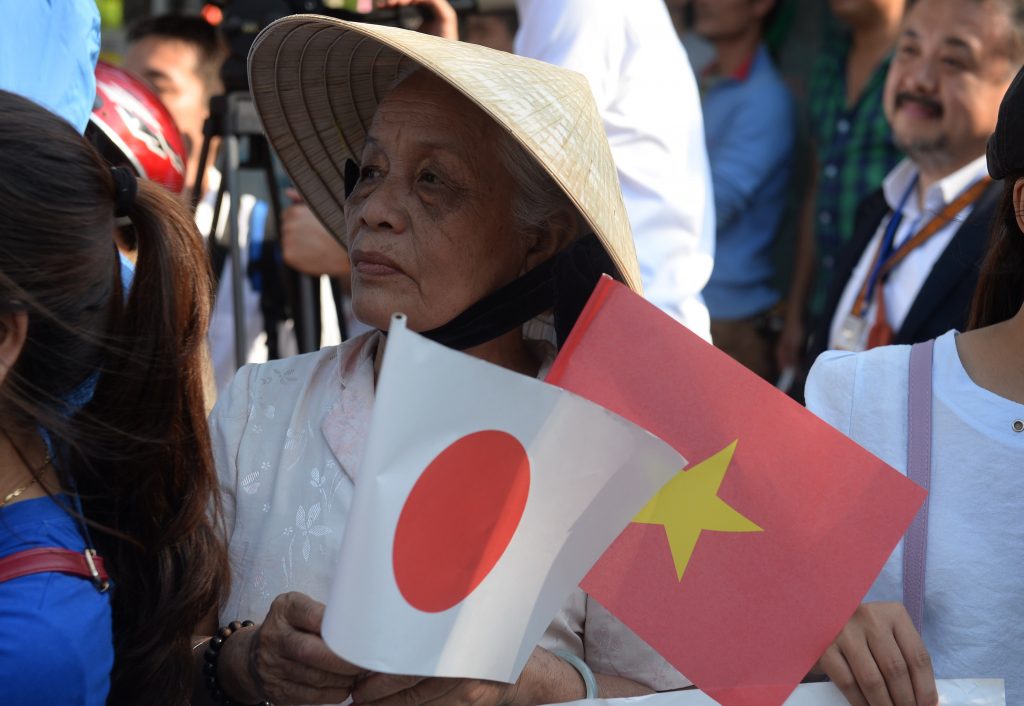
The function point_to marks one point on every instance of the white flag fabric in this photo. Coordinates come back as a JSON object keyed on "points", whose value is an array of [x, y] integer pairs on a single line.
{"points": [[952, 692], [483, 498]]}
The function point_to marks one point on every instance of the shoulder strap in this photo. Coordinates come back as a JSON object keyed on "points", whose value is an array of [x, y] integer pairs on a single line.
{"points": [[51, 559], [919, 470]]}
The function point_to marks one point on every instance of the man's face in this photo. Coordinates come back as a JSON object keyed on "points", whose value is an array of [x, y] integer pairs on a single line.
{"points": [[947, 78], [724, 19], [171, 68]]}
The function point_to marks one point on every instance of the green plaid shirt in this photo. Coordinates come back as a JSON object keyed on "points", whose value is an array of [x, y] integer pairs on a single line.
{"points": [[855, 152]]}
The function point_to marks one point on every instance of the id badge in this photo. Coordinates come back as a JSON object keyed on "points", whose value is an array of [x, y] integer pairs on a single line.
{"points": [[851, 334]]}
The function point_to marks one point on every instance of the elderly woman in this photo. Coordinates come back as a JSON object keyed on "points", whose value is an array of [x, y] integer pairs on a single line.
{"points": [[484, 206]]}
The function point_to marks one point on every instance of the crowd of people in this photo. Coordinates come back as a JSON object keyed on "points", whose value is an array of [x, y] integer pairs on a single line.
{"points": [[150, 553]]}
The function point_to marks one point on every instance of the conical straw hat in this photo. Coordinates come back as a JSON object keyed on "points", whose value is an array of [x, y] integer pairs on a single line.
{"points": [[317, 82]]}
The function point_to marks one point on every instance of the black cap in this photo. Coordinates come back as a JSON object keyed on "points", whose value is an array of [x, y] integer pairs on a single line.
{"points": [[1006, 146]]}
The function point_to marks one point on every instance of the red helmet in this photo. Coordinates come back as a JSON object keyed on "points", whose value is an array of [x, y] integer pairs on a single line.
{"points": [[131, 127]]}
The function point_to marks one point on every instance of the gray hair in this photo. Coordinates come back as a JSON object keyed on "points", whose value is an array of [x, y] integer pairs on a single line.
{"points": [[537, 199]]}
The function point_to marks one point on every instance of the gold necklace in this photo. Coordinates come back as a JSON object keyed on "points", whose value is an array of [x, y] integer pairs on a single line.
{"points": [[35, 479]]}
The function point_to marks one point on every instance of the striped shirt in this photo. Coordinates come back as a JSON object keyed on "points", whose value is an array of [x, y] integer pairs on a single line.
{"points": [[855, 152]]}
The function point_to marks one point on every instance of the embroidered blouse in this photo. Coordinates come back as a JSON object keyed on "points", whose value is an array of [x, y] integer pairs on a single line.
{"points": [[288, 438]]}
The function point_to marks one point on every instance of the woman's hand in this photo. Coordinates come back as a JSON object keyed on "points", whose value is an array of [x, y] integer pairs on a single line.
{"points": [[443, 20], [389, 690], [880, 660], [285, 660]]}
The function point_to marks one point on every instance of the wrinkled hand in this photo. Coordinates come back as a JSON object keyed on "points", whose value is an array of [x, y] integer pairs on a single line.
{"points": [[444, 21], [307, 246], [389, 690], [880, 660], [289, 660]]}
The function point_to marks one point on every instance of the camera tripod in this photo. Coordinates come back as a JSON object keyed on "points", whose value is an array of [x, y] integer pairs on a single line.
{"points": [[248, 168]]}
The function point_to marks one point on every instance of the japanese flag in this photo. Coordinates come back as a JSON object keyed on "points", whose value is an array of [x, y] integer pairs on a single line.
{"points": [[483, 498]]}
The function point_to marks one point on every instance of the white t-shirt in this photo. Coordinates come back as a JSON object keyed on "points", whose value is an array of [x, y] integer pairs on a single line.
{"points": [[906, 280], [974, 576], [648, 99]]}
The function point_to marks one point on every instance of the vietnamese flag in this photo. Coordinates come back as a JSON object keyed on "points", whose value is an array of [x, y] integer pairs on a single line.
{"points": [[747, 564]]}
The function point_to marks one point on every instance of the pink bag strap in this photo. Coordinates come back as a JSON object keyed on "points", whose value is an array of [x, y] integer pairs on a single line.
{"points": [[919, 470]]}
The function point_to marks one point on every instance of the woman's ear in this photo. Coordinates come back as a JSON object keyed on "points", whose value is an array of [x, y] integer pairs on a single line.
{"points": [[1018, 202], [561, 229], [13, 332]]}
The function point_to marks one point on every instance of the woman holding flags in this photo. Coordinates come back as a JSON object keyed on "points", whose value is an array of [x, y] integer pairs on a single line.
{"points": [[476, 194]]}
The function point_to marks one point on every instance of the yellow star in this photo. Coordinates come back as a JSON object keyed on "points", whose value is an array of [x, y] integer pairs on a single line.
{"points": [[689, 504]]}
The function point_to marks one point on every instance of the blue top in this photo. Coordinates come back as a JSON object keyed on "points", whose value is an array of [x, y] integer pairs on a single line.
{"points": [[750, 128], [56, 640], [48, 53]]}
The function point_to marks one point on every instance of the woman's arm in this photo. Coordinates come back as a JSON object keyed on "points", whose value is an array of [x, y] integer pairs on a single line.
{"points": [[551, 680], [545, 679]]}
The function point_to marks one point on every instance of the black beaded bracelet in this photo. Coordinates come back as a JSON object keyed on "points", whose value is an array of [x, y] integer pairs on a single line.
{"points": [[211, 656]]}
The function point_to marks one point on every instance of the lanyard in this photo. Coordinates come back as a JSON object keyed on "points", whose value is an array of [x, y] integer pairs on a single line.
{"points": [[919, 470], [884, 252], [886, 259]]}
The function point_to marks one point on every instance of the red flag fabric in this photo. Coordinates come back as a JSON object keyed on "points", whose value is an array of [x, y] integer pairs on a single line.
{"points": [[745, 567]]}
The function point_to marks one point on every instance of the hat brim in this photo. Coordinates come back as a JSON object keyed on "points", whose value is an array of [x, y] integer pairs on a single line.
{"points": [[317, 82]]}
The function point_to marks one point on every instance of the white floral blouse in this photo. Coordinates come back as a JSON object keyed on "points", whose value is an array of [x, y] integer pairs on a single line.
{"points": [[287, 439]]}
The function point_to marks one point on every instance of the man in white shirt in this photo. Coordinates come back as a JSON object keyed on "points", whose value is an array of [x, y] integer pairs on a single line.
{"points": [[647, 96], [912, 266]]}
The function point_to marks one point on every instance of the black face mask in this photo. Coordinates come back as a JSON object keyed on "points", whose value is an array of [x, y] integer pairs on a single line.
{"points": [[563, 284]]}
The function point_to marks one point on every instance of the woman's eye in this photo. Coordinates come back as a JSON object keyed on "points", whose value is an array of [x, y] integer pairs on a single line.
{"points": [[430, 178], [369, 172]]}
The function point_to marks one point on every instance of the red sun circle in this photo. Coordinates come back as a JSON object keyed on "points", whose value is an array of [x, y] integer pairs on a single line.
{"points": [[459, 519]]}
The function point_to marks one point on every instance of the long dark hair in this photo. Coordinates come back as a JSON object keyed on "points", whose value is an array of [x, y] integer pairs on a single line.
{"points": [[1000, 292], [113, 382]]}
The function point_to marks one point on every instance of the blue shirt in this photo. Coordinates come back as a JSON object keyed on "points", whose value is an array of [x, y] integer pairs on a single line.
{"points": [[750, 126], [56, 639], [48, 53]]}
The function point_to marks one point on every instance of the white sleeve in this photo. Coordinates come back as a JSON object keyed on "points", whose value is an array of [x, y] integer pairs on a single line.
{"points": [[586, 36], [650, 106], [864, 396], [830, 388], [228, 421], [566, 631]]}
